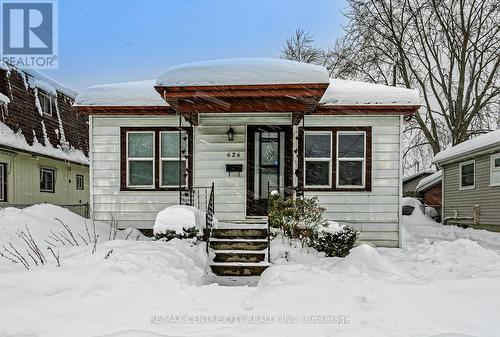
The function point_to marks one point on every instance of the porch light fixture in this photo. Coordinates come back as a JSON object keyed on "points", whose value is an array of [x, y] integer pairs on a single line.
{"points": [[230, 134]]}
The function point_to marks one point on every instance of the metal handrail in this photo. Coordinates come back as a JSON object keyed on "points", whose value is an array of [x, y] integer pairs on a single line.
{"points": [[209, 220]]}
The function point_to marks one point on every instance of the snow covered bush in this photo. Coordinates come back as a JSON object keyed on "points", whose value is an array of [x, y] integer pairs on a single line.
{"points": [[181, 222], [336, 240], [296, 218]]}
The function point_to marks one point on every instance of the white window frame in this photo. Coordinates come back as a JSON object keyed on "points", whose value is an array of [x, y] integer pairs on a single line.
{"points": [[49, 98], [152, 159], [322, 159], [362, 159], [46, 169], [494, 169], [473, 186], [80, 186], [3, 182], [183, 134]]}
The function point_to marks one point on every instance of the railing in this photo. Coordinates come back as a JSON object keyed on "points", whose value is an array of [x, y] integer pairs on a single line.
{"points": [[197, 197], [82, 210], [209, 221]]}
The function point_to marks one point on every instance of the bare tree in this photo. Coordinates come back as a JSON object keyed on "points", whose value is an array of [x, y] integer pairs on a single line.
{"points": [[448, 49], [300, 47]]}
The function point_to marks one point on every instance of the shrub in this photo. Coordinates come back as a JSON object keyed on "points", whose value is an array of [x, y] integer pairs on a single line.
{"points": [[336, 243], [167, 235], [297, 218]]}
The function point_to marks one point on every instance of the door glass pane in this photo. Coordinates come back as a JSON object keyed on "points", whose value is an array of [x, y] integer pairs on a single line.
{"points": [[351, 146], [268, 181], [170, 173], [141, 173], [317, 146], [140, 145], [350, 173], [170, 144], [269, 154], [317, 173]]}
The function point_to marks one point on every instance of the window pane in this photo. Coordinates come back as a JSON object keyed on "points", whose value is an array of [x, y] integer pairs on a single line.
{"points": [[350, 173], [269, 154], [351, 146], [317, 146], [2, 182], [170, 144], [170, 174], [495, 177], [46, 180], [497, 162], [268, 181], [468, 169], [140, 173], [467, 180], [317, 173], [140, 145]]}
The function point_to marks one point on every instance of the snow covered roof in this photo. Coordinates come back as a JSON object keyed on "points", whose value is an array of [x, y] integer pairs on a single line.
{"points": [[418, 174], [345, 92], [472, 146], [16, 140], [243, 71], [429, 181], [138, 93]]}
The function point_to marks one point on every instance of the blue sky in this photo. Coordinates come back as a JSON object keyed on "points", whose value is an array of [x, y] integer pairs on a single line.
{"points": [[102, 41]]}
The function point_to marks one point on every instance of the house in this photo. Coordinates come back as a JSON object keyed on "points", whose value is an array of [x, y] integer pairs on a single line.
{"points": [[411, 181], [430, 190], [43, 143], [248, 126], [471, 182]]}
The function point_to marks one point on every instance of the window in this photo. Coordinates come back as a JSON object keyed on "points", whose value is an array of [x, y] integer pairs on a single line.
{"points": [[170, 166], [79, 182], [140, 159], [495, 170], [351, 159], [47, 102], [47, 180], [467, 175], [3, 182], [318, 158]]}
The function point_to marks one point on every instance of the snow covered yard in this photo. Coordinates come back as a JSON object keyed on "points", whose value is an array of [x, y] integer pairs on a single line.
{"points": [[441, 284]]}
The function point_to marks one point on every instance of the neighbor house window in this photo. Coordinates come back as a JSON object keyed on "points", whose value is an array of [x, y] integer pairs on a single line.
{"points": [[318, 158], [495, 170], [79, 182], [3, 182], [467, 175], [47, 102], [47, 180], [351, 159], [140, 159], [170, 165]]}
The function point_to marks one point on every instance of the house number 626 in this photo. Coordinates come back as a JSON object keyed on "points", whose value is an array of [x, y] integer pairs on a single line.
{"points": [[233, 155]]}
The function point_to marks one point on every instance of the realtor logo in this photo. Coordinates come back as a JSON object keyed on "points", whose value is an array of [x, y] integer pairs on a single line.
{"points": [[29, 33]]}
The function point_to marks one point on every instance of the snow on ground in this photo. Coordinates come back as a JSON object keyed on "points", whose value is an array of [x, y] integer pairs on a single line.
{"points": [[179, 218], [445, 286]]}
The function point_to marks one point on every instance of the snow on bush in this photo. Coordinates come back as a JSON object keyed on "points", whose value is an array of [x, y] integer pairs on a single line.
{"points": [[335, 240], [179, 221]]}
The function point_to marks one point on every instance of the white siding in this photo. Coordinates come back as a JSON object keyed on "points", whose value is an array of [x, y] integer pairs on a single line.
{"points": [[375, 213], [129, 208]]}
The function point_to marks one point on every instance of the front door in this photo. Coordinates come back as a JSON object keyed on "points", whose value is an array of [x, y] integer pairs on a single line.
{"points": [[269, 165]]}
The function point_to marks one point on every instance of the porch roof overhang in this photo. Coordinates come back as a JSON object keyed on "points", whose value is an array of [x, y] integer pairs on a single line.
{"points": [[297, 99]]}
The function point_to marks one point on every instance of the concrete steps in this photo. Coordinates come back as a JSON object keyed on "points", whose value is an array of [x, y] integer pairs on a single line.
{"points": [[239, 250]]}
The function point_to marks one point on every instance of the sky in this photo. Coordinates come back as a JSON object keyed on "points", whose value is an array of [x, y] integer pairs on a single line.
{"points": [[105, 41]]}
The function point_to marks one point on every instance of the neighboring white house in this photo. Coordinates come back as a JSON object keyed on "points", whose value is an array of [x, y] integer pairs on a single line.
{"points": [[249, 126]]}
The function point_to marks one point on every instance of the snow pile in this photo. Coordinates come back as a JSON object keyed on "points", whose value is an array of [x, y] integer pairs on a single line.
{"points": [[346, 92], [243, 71], [178, 218], [17, 140], [138, 93], [418, 217], [4, 100], [43, 218], [471, 146], [429, 181]]}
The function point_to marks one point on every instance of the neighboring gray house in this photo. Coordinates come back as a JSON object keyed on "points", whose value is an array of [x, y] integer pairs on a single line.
{"points": [[471, 182]]}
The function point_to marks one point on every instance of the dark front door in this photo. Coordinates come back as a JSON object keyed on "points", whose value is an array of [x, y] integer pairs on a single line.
{"points": [[269, 165]]}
